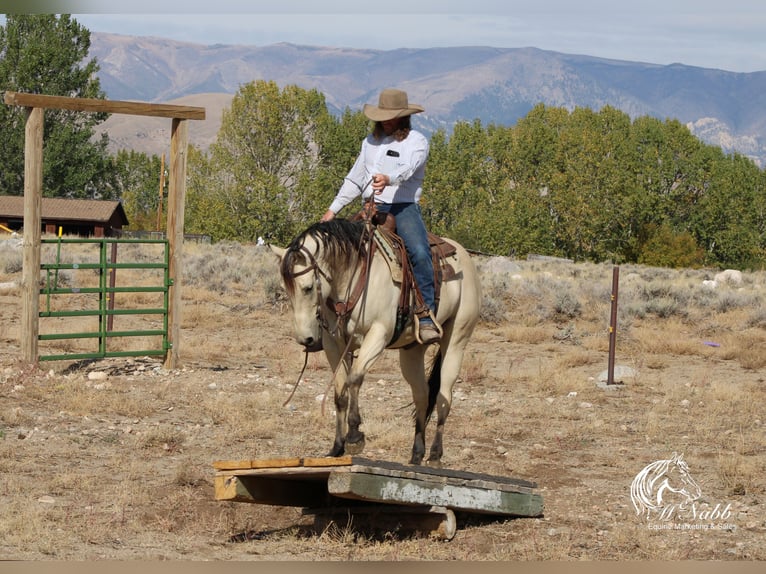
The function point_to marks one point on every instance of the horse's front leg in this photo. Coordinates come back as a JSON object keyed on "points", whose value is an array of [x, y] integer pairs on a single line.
{"points": [[341, 411], [340, 373], [372, 346], [354, 437]]}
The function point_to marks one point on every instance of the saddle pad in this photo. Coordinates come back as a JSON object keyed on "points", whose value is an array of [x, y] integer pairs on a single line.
{"points": [[387, 248]]}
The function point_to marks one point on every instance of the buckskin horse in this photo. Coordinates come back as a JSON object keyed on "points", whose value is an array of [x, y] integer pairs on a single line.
{"points": [[345, 288]]}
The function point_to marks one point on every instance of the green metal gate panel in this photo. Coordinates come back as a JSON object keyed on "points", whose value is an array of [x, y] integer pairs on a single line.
{"points": [[106, 293]]}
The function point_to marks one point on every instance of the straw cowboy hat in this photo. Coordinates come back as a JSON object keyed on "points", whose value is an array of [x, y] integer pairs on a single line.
{"points": [[392, 104]]}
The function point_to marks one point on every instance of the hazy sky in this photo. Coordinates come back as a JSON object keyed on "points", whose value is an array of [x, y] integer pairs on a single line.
{"points": [[724, 34]]}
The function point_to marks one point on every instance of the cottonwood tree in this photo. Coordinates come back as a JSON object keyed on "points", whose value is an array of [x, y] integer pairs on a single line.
{"points": [[47, 54], [135, 178], [275, 166]]}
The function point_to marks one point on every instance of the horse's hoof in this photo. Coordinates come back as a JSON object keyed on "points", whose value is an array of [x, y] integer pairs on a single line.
{"points": [[335, 452], [355, 447], [434, 463]]}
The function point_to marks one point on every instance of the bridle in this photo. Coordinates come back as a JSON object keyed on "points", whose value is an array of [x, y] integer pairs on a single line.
{"points": [[319, 273]]}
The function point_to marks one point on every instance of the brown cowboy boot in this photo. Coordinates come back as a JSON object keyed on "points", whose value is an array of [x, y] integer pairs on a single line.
{"points": [[428, 332]]}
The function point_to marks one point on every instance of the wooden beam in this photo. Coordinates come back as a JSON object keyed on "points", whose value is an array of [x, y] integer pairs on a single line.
{"points": [[33, 194], [107, 106], [381, 519]]}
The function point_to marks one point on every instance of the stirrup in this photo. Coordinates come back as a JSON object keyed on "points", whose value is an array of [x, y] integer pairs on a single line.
{"points": [[434, 338]]}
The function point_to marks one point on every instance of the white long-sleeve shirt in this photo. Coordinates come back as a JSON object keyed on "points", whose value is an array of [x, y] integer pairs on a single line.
{"points": [[403, 162]]}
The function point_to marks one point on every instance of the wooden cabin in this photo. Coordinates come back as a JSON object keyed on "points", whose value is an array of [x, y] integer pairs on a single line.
{"points": [[79, 217]]}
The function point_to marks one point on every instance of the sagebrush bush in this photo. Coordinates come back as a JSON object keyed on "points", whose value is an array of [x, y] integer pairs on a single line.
{"points": [[567, 305], [12, 262], [757, 319]]}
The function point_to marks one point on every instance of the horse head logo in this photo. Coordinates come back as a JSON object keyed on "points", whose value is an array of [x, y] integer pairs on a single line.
{"points": [[663, 483]]}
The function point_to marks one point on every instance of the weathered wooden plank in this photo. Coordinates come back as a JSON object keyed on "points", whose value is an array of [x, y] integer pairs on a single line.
{"points": [[464, 479], [447, 476], [272, 491], [389, 489], [328, 461], [442, 472], [276, 463], [234, 465], [435, 521], [108, 106], [324, 482]]}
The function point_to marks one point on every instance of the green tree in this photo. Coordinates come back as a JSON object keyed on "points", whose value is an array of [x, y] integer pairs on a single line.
{"points": [[668, 248], [532, 177], [729, 216], [264, 165], [456, 177], [135, 178], [588, 187], [47, 54], [338, 143]]}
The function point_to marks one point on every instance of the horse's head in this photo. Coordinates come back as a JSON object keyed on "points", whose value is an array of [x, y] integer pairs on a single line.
{"points": [[307, 267], [303, 284], [680, 481]]}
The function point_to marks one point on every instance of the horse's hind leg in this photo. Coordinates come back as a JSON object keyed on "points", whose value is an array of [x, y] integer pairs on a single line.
{"points": [[445, 375]]}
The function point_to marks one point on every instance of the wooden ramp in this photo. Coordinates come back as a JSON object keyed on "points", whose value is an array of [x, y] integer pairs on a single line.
{"points": [[421, 497]]}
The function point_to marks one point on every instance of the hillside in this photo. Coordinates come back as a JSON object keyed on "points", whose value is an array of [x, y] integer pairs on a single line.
{"points": [[495, 85]]}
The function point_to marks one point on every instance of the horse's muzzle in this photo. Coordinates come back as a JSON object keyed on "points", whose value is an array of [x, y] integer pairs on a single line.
{"points": [[312, 345]]}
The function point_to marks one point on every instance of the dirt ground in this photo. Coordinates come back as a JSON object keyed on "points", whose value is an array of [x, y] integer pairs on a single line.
{"points": [[112, 459]]}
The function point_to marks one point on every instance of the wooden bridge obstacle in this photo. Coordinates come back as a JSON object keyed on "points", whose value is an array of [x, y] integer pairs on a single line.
{"points": [[395, 497]]}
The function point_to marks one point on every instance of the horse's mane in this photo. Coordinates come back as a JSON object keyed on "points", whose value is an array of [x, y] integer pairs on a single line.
{"points": [[339, 245]]}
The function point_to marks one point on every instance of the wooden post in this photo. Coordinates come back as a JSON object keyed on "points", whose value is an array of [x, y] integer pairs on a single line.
{"points": [[175, 234], [33, 193]]}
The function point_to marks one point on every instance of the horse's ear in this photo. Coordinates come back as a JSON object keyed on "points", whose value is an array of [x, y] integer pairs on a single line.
{"points": [[278, 251]]}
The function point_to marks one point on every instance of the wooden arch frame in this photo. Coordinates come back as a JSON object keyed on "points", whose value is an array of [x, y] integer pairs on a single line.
{"points": [[33, 170]]}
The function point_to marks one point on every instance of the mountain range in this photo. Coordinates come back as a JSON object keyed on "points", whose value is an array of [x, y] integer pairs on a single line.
{"points": [[493, 85]]}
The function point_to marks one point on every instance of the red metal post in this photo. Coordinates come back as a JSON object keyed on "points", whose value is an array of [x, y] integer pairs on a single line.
{"points": [[613, 325]]}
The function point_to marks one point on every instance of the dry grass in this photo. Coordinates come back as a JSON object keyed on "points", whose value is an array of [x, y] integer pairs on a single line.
{"points": [[119, 466]]}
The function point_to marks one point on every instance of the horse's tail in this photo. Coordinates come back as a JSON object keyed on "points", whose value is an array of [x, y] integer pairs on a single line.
{"points": [[434, 382]]}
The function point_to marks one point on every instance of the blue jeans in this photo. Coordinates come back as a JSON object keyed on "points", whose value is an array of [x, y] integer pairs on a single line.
{"points": [[412, 230]]}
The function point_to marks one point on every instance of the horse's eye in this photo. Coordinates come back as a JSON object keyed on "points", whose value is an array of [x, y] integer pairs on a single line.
{"points": [[307, 289]]}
